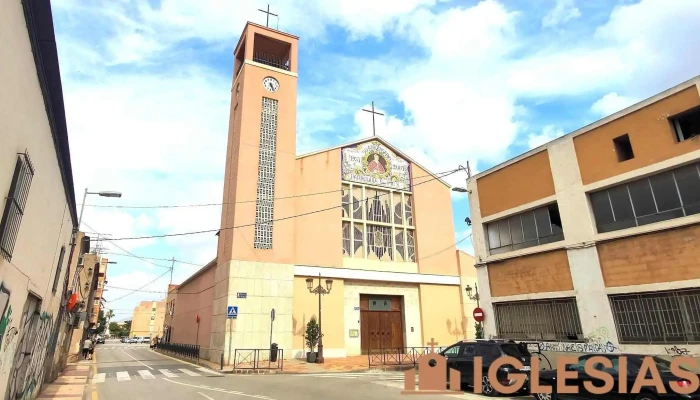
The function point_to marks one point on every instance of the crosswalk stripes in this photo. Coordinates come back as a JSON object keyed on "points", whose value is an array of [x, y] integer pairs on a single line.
{"points": [[167, 373], [171, 373], [146, 374], [188, 372], [123, 376]]}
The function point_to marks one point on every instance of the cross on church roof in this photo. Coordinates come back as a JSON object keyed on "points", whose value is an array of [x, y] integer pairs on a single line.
{"points": [[268, 15], [432, 344], [374, 132]]}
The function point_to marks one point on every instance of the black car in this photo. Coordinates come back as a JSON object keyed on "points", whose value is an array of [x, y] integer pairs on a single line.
{"points": [[634, 362], [460, 356]]}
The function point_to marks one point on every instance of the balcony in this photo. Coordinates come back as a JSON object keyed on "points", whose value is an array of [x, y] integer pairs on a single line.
{"points": [[271, 60]]}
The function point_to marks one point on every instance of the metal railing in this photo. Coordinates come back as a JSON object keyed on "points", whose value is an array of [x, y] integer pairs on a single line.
{"points": [[184, 350], [258, 359], [398, 356], [271, 60]]}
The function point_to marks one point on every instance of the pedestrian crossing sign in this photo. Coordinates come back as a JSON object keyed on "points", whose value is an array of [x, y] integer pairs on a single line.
{"points": [[232, 312]]}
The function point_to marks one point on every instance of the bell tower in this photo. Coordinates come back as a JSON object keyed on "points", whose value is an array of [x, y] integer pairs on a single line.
{"points": [[260, 169], [262, 148]]}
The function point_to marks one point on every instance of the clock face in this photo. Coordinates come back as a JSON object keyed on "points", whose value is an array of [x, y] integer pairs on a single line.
{"points": [[270, 84]]}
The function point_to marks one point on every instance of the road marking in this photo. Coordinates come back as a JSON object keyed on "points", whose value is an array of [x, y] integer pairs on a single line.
{"points": [[205, 395], [208, 371], [188, 372], [255, 396], [99, 378], [167, 373], [123, 376], [136, 360], [146, 374]]}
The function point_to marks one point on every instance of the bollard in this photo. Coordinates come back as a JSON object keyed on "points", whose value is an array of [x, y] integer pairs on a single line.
{"points": [[222, 361]]}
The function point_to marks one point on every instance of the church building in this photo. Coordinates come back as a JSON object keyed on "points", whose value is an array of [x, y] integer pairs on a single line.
{"points": [[368, 223]]}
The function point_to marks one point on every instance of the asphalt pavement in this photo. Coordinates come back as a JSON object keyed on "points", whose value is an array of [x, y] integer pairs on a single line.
{"points": [[133, 371]]}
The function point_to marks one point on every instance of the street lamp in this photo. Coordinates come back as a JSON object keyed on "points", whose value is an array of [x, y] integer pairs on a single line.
{"points": [[320, 290], [460, 189], [468, 289], [103, 194]]}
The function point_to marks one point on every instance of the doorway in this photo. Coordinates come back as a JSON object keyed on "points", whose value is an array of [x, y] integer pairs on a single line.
{"points": [[381, 322]]}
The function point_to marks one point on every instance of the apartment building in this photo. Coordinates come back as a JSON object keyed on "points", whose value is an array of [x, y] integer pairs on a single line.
{"points": [[591, 242], [38, 210], [148, 319]]}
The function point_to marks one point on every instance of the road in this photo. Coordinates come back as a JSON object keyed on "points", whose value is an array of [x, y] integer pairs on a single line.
{"points": [[133, 371]]}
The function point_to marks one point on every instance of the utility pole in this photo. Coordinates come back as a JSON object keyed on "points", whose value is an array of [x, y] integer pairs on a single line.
{"points": [[172, 267]]}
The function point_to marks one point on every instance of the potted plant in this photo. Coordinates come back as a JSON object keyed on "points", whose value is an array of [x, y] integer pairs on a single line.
{"points": [[479, 330], [312, 336]]}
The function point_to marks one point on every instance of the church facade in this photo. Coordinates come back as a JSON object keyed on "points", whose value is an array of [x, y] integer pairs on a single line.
{"points": [[362, 215]]}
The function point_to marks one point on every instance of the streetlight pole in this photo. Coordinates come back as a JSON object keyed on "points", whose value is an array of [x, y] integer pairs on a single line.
{"points": [[103, 194], [320, 290]]}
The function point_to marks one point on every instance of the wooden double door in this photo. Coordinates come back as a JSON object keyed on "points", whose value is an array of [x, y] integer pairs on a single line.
{"points": [[381, 322]]}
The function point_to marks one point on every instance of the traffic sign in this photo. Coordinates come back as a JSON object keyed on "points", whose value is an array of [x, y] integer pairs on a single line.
{"points": [[232, 312], [478, 314]]}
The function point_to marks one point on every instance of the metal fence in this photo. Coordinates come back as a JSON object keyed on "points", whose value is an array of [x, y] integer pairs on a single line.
{"points": [[658, 317], [258, 359], [398, 356], [271, 60], [184, 350]]}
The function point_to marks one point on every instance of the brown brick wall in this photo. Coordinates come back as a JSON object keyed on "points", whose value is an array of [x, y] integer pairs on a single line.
{"points": [[538, 273], [667, 256], [506, 188]]}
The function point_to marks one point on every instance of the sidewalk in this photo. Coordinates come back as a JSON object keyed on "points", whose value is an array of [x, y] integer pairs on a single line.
{"points": [[71, 383], [296, 366]]}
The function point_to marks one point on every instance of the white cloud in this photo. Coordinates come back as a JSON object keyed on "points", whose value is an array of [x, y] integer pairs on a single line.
{"points": [[611, 103], [563, 12], [158, 133], [549, 133]]}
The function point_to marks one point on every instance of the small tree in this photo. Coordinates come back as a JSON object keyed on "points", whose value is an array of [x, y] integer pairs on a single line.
{"points": [[312, 334], [479, 330]]}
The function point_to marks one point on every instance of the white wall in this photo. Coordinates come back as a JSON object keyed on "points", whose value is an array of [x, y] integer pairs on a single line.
{"points": [[46, 225]]}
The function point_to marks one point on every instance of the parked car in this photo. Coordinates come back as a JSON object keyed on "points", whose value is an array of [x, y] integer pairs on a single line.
{"points": [[132, 340], [634, 362], [100, 339], [460, 356]]}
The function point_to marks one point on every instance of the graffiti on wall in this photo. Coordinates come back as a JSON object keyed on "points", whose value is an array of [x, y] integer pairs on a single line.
{"points": [[6, 331], [598, 341], [27, 367], [677, 351]]}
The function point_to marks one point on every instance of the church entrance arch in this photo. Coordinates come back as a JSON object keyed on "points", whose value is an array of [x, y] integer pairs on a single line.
{"points": [[381, 322]]}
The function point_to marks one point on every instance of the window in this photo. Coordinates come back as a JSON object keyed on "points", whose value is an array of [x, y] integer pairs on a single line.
{"points": [[657, 317], [377, 224], [623, 148], [667, 195], [687, 125], [469, 350], [531, 228], [452, 351], [555, 319], [58, 269], [153, 309], [15, 204], [379, 304], [153, 318]]}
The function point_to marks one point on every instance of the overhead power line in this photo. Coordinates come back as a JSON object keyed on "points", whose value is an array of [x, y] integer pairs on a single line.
{"points": [[209, 287], [136, 290], [243, 201], [272, 220], [153, 258]]}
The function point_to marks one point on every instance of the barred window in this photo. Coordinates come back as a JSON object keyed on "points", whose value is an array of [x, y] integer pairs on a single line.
{"points": [[377, 224], [15, 204], [264, 204], [551, 319], [657, 317]]}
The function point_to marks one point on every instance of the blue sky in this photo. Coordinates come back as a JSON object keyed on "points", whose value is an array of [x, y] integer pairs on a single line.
{"points": [[147, 89]]}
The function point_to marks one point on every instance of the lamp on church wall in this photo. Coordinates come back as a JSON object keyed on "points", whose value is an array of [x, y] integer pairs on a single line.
{"points": [[320, 291]]}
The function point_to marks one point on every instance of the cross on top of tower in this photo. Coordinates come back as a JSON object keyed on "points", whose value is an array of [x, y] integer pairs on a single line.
{"points": [[267, 23], [374, 132], [432, 344]]}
